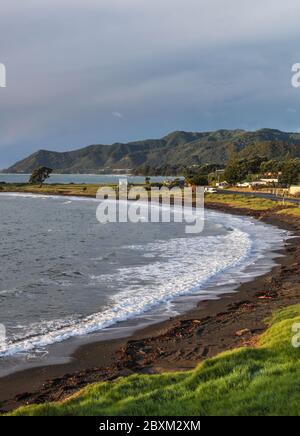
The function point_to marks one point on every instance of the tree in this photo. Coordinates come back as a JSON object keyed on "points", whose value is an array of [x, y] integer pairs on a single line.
{"points": [[235, 171], [198, 180], [271, 166], [290, 172], [254, 164], [39, 176]]}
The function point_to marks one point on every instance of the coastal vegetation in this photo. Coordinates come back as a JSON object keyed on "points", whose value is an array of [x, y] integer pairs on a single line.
{"points": [[286, 170], [263, 379], [51, 189], [252, 203], [290, 211]]}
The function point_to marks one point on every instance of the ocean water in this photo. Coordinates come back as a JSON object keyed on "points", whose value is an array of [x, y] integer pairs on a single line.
{"points": [[79, 178], [66, 276]]}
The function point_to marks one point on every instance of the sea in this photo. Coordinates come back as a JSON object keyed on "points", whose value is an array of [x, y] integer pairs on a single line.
{"points": [[80, 178]]}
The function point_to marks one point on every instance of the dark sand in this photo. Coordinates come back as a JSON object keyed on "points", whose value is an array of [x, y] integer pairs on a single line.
{"points": [[177, 344]]}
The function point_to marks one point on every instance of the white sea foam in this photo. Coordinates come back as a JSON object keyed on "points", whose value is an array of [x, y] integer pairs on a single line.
{"points": [[65, 199], [184, 270]]}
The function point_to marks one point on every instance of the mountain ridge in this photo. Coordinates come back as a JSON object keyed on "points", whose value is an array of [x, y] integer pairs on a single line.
{"points": [[179, 148]]}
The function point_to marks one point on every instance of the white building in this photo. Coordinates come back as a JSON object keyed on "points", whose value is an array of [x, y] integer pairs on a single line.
{"points": [[294, 190]]}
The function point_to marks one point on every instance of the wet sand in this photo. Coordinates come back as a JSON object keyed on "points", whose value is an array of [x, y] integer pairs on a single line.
{"points": [[179, 343]]}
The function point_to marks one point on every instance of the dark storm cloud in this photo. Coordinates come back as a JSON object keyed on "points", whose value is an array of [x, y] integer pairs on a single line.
{"points": [[81, 72]]}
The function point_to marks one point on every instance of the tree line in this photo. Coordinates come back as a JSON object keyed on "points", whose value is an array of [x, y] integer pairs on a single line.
{"points": [[238, 170]]}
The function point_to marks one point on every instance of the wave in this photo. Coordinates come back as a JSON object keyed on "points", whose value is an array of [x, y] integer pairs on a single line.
{"points": [[185, 270], [65, 198]]}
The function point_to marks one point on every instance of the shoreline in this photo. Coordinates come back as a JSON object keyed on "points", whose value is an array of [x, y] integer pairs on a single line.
{"points": [[180, 343]]}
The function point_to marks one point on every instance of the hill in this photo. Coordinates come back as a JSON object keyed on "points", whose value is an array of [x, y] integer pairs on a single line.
{"points": [[177, 149]]}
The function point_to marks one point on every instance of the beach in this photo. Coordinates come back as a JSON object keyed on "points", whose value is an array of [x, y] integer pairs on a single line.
{"points": [[180, 343]]}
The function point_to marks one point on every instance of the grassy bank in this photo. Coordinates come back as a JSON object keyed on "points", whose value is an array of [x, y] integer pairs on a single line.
{"points": [[291, 211], [261, 380], [253, 203], [242, 201], [59, 189]]}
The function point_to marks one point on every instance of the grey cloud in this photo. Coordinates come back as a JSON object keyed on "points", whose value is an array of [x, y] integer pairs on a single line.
{"points": [[168, 64]]}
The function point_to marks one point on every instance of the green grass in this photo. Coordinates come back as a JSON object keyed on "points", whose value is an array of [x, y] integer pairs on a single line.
{"points": [[291, 211], [243, 201], [254, 203], [249, 381], [58, 189]]}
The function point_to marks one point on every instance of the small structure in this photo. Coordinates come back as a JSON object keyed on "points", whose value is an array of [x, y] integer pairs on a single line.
{"points": [[244, 185], [294, 190], [264, 183], [210, 190], [222, 185], [174, 183], [270, 181]]}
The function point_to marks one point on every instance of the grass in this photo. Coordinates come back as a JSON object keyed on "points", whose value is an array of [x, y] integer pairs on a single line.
{"points": [[243, 201], [264, 380], [254, 203], [291, 211], [58, 189]]}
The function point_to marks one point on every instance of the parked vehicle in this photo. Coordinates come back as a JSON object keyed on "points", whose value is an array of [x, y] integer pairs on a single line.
{"points": [[211, 190]]}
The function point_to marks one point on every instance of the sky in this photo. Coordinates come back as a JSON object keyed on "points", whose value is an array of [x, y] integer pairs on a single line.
{"points": [[81, 72]]}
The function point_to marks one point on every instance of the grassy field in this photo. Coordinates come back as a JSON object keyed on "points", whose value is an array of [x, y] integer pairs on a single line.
{"points": [[291, 211], [263, 380], [242, 201], [60, 189], [254, 203]]}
